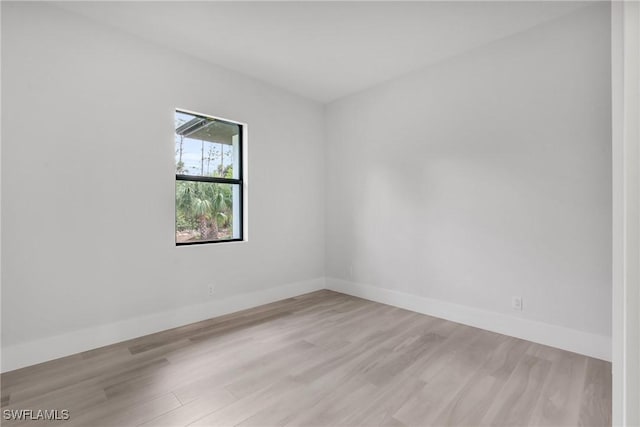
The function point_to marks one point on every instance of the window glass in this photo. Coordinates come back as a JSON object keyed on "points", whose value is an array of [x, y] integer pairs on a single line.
{"points": [[208, 166]]}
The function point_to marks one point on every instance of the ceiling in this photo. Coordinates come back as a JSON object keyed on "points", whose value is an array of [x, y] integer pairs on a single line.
{"points": [[322, 50]]}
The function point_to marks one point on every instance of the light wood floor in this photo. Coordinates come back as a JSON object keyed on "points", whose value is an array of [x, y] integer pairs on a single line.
{"points": [[322, 359]]}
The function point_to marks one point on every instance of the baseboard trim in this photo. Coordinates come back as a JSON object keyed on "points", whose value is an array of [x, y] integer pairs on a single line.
{"points": [[593, 345], [42, 350], [38, 351]]}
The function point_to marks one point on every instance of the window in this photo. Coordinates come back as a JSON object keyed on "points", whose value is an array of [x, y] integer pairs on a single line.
{"points": [[208, 179]]}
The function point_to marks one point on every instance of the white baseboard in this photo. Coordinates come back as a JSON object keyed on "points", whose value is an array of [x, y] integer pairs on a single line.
{"points": [[45, 349], [589, 344]]}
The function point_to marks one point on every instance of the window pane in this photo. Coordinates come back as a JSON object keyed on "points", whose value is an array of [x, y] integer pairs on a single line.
{"points": [[206, 146], [207, 211]]}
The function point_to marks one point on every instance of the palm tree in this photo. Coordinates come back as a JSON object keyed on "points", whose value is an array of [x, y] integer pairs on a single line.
{"points": [[207, 203]]}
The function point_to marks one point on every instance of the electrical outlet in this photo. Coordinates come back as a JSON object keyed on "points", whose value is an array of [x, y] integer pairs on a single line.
{"points": [[516, 303], [212, 289]]}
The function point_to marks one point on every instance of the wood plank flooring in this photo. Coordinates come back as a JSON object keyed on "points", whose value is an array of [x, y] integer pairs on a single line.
{"points": [[321, 359]]}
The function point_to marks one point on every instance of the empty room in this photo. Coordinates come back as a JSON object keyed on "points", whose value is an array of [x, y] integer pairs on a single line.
{"points": [[320, 213]]}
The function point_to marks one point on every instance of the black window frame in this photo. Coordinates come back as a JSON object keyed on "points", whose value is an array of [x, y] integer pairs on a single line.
{"points": [[199, 178]]}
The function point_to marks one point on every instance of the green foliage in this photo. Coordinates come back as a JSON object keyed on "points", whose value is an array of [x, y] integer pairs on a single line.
{"points": [[203, 206], [184, 222], [180, 167]]}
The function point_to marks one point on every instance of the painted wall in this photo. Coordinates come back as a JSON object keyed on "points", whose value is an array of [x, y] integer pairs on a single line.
{"points": [[625, 26], [484, 177], [88, 186], [480, 178]]}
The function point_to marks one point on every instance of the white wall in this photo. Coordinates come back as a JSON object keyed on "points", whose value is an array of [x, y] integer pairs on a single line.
{"points": [[481, 178], [625, 26], [88, 188], [456, 187]]}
